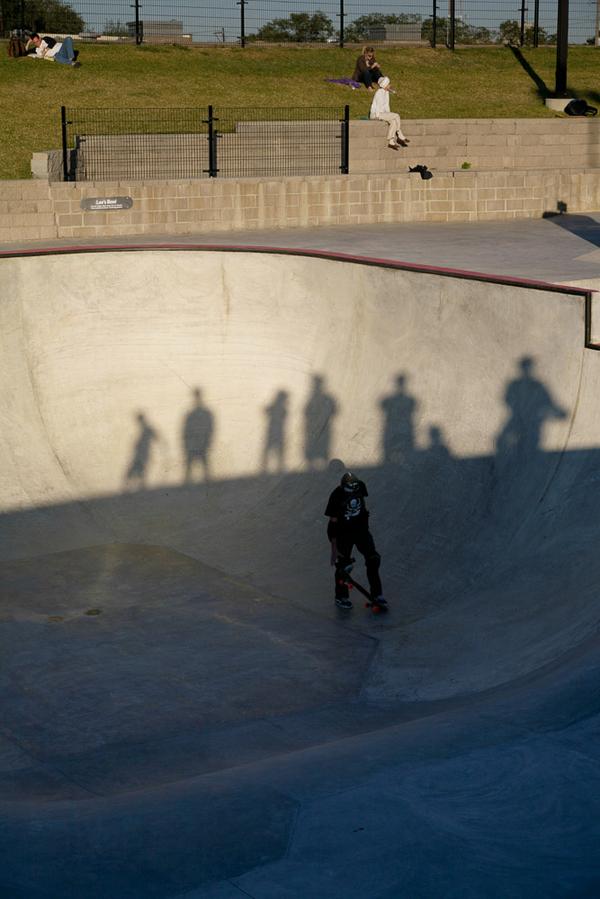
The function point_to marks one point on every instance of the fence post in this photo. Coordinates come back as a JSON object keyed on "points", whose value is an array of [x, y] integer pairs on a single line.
{"points": [[242, 6], [212, 144], [536, 24], [341, 15], [65, 151], [562, 48], [345, 135], [452, 16], [434, 25], [139, 28], [523, 11]]}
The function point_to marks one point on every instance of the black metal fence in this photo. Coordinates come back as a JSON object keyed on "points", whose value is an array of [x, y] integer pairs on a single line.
{"points": [[146, 144], [246, 22]]}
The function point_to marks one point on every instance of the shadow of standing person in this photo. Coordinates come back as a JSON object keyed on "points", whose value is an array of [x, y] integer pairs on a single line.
{"points": [[197, 436], [318, 417], [274, 446], [398, 430], [135, 476], [530, 406]]}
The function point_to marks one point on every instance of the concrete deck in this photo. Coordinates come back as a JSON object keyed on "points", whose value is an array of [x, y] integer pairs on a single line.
{"points": [[185, 712], [561, 249]]}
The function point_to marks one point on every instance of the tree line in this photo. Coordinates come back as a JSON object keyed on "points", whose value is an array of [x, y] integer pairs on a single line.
{"points": [[60, 17], [319, 28]]}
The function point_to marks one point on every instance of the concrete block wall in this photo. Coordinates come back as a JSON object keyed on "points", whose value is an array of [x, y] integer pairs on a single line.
{"points": [[184, 207], [38, 210], [487, 144], [27, 211]]}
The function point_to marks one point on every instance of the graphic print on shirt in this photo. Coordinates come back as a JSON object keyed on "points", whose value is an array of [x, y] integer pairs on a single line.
{"points": [[354, 507]]}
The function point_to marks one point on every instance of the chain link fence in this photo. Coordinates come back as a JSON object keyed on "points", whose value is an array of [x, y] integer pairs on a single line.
{"points": [[247, 22], [209, 142]]}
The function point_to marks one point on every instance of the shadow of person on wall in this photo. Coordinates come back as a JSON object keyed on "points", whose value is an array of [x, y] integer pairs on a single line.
{"points": [[437, 453], [135, 476], [530, 407], [274, 445], [319, 413], [398, 438], [197, 435]]}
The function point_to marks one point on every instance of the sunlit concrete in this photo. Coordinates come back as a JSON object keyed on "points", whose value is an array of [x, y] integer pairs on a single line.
{"points": [[186, 713]]}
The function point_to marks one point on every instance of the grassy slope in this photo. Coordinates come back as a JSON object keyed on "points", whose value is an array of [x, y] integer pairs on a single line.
{"points": [[469, 83]]}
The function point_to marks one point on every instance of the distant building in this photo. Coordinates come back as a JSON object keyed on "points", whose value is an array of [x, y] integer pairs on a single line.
{"points": [[169, 31], [406, 32]]}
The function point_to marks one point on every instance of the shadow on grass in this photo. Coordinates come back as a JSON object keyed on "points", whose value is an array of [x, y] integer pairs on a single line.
{"points": [[542, 88]]}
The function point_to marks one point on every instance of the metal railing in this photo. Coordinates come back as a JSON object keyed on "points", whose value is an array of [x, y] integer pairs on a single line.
{"points": [[182, 143], [246, 22]]}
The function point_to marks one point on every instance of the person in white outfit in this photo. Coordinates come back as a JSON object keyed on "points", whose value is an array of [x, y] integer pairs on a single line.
{"points": [[380, 109]]}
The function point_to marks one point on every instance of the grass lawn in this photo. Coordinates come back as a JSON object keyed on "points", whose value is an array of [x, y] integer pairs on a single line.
{"points": [[481, 82]]}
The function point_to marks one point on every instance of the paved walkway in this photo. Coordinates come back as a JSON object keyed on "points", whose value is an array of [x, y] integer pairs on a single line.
{"points": [[561, 248]]}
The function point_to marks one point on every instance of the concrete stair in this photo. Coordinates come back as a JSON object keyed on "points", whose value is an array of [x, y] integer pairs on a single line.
{"points": [[279, 148], [486, 144]]}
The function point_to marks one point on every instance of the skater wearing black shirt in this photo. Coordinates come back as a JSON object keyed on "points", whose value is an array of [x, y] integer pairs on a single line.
{"points": [[349, 527]]}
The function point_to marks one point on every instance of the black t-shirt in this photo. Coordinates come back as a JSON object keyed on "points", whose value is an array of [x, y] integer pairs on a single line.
{"points": [[350, 509]]}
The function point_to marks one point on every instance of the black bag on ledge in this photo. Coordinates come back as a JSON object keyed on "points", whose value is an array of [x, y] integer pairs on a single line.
{"points": [[580, 107]]}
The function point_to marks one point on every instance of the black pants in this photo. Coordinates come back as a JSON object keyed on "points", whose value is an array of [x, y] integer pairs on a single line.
{"points": [[371, 76], [363, 540]]}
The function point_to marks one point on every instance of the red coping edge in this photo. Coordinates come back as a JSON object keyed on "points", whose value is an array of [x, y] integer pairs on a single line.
{"points": [[292, 251]]}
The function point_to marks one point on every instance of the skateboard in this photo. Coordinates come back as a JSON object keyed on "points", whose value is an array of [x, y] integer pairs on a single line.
{"points": [[371, 603]]}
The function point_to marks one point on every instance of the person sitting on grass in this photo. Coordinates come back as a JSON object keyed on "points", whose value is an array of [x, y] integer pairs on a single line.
{"points": [[54, 51], [366, 70], [380, 109]]}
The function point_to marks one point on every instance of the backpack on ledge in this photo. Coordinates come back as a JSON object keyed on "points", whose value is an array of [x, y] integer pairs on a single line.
{"points": [[580, 107]]}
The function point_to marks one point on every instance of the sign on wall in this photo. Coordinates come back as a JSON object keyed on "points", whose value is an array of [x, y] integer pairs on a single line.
{"points": [[105, 204]]}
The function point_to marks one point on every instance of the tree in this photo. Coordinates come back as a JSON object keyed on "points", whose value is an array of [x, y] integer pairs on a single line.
{"points": [[297, 28], [359, 30], [53, 16], [510, 33]]}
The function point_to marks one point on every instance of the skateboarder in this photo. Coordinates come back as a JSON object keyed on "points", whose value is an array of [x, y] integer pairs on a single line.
{"points": [[348, 527]]}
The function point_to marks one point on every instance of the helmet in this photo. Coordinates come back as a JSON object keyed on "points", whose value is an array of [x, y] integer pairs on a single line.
{"points": [[350, 482]]}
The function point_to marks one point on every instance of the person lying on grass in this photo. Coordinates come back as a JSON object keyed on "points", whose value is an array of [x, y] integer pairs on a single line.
{"points": [[54, 51]]}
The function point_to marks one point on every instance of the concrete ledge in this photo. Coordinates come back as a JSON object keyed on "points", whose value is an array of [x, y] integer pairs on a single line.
{"points": [[557, 103]]}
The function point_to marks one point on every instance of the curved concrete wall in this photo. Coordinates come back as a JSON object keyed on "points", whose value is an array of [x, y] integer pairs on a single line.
{"points": [[468, 406]]}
